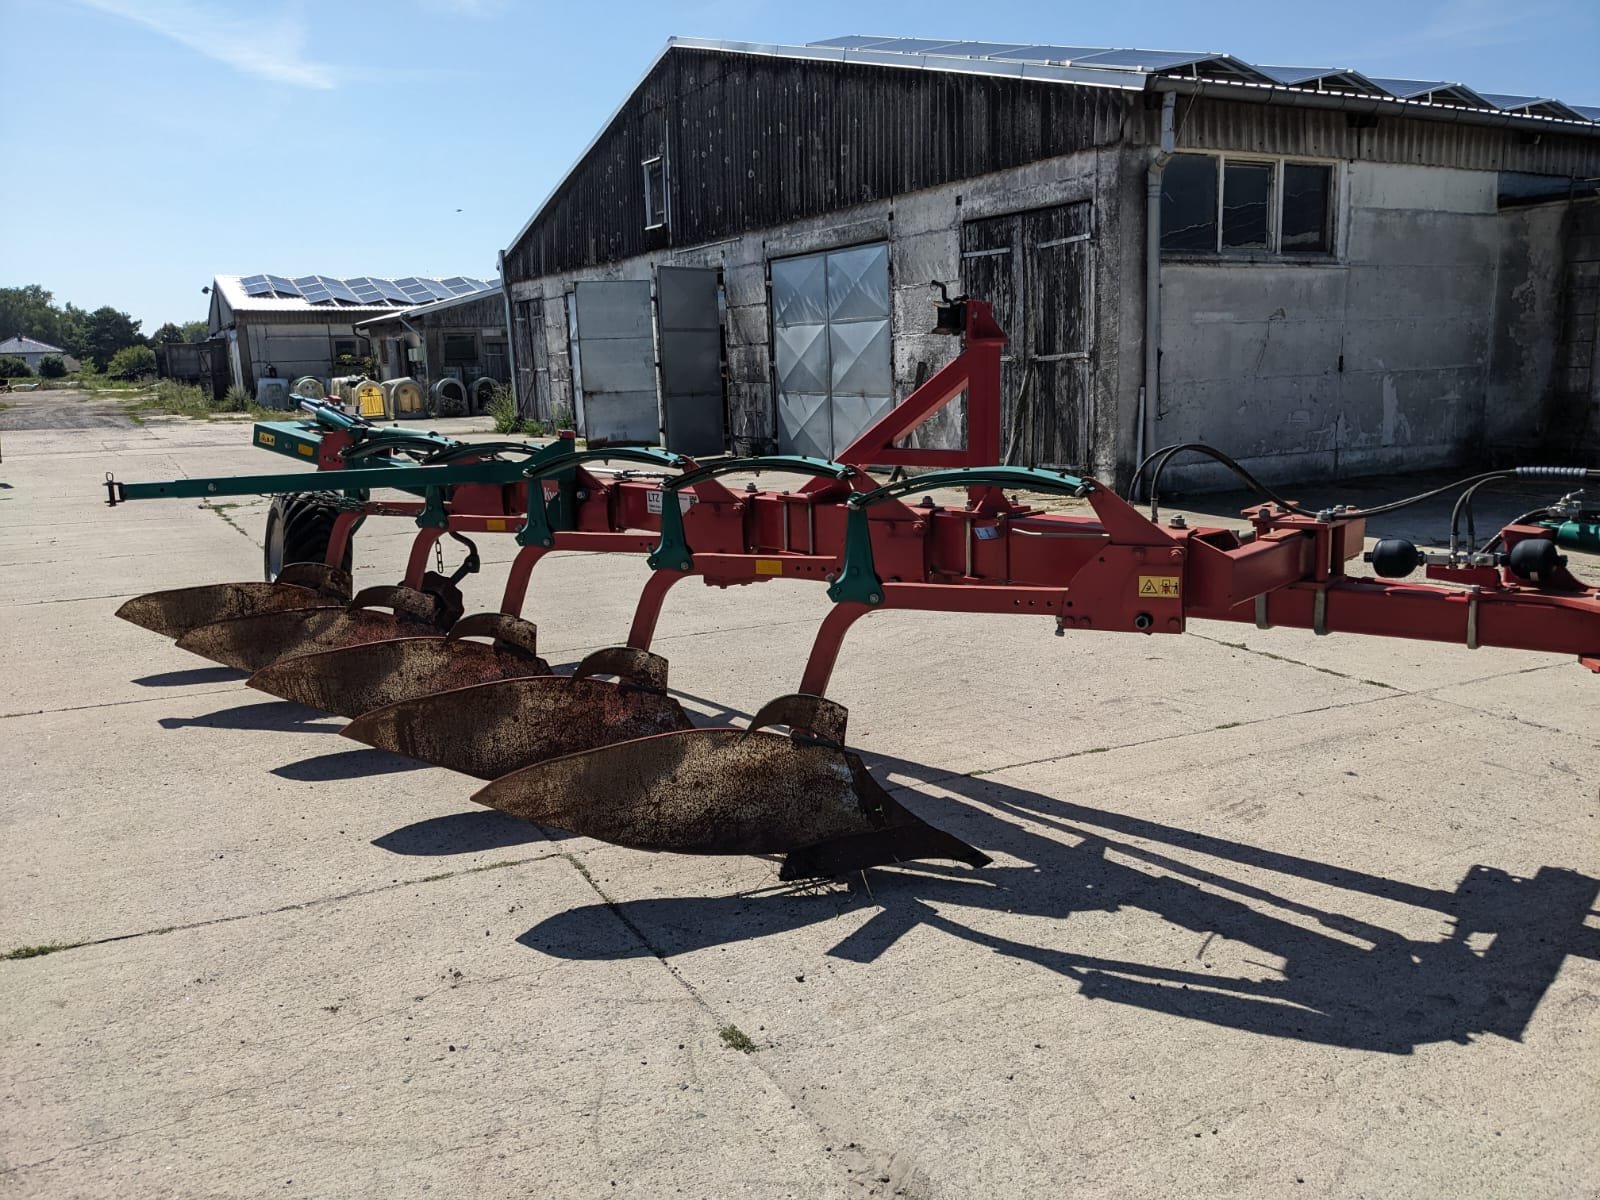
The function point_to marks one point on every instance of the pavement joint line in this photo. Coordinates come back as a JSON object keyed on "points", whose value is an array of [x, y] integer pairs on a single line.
{"points": [[43, 712], [355, 894], [1284, 658]]}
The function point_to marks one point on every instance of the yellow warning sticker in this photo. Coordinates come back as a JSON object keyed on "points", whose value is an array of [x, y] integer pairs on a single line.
{"points": [[306, 448], [1161, 587], [769, 566], [495, 525], [265, 438]]}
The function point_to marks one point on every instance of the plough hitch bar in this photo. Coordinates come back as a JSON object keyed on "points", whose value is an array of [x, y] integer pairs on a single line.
{"points": [[607, 751]]}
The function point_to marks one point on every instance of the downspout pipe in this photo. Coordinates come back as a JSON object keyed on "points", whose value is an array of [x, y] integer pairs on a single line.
{"points": [[1152, 277], [525, 404]]}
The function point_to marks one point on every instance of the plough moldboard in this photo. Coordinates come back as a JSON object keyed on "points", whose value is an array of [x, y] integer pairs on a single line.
{"points": [[608, 752]]}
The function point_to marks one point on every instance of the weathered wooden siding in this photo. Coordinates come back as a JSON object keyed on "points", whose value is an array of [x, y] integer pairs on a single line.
{"points": [[753, 142]]}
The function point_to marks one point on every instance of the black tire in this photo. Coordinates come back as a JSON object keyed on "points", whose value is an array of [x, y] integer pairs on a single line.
{"points": [[299, 527]]}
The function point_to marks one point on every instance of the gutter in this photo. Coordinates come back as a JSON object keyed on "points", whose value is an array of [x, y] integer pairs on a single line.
{"points": [[1150, 394]]}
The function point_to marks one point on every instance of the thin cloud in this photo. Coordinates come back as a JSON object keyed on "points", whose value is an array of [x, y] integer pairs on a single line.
{"points": [[465, 8], [270, 47], [1459, 25]]}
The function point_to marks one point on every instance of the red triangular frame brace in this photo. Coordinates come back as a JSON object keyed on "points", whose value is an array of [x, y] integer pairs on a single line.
{"points": [[976, 372]]}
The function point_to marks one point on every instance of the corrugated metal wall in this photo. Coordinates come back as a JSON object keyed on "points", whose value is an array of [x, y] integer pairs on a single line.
{"points": [[1208, 123], [754, 142]]}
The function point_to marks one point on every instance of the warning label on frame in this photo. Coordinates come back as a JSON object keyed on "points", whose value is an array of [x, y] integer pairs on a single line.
{"points": [[1159, 587]]}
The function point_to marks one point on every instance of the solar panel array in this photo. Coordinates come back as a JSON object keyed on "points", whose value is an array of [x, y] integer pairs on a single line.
{"points": [[1218, 66], [364, 290]]}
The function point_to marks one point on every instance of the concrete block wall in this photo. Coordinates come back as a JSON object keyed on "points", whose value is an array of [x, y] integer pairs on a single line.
{"points": [[924, 235], [1405, 349]]}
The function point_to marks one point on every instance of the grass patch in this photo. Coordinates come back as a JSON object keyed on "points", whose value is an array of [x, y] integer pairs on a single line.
{"points": [[736, 1039], [40, 951], [171, 398]]}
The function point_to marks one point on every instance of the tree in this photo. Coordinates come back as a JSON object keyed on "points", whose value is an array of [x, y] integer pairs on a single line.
{"points": [[130, 362], [167, 335], [51, 367], [196, 331], [29, 311], [109, 331], [12, 367]]}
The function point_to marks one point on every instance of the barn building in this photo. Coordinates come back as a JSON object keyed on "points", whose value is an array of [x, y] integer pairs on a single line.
{"points": [[272, 325], [1321, 272]]}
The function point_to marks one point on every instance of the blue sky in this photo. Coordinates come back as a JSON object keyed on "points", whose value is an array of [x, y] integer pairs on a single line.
{"points": [[151, 144]]}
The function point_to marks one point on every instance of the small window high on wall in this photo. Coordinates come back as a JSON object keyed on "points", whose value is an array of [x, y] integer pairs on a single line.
{"points": [[655, 192], [1211, 204]]}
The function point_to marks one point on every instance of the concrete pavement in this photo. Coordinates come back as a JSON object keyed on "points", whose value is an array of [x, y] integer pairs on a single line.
{"points": [[1269, 914]]}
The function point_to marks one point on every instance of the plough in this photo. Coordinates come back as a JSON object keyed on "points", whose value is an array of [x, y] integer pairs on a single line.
{"points": [[607, 751]]}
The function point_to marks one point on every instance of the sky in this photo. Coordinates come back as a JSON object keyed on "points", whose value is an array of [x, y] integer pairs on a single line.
{"points": [[152, 144]]}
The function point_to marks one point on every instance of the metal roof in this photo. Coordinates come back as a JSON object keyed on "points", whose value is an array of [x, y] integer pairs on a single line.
{"points": [[934, 54], [361, 293], [491, 288], [1140, 70]]}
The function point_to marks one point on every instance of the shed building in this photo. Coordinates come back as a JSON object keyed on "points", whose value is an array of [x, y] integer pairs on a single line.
{"points": [[463, 338], [1320, 272], [275, 325]]}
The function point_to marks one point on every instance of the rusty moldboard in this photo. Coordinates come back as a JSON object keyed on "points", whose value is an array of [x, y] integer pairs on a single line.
{"points": [[175, 612], [727, 791], [496, 728], [253, 642], [353, 680]]}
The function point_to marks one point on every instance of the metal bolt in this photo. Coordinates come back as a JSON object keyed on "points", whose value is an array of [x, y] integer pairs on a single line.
{"points": [[685, 565], [874, 598], [1143, 621]]}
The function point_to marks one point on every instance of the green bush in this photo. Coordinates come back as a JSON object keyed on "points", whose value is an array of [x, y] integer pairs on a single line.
{"points": [[12, 367], [131, 362], [51, 367], [236, 399], [503, 409]]}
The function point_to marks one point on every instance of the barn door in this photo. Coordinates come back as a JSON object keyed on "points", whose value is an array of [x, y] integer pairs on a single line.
{"points": [[689, 337], [529, 352], [830, 347], [616, 360], [1035, 268]]}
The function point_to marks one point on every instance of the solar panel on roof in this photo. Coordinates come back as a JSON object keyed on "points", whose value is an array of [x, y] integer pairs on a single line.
{"points": [[282, 286], [1407, 88], [1589, 112], [1046, 54], [338, 289], [256, 285], [389, 290], [979, 49], [853, 42], [912, 45], [1143, 60]]}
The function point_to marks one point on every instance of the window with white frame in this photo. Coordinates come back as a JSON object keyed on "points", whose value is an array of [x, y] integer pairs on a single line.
{"points": [[655, 192], [1216, 204]]}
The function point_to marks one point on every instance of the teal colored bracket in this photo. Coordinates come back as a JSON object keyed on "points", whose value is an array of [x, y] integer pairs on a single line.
{"points": [[858, 582], [544, 518], [672, 551], [433, 515]]}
